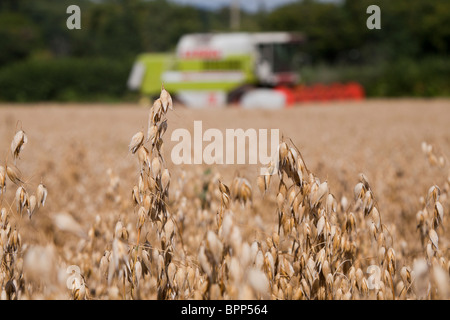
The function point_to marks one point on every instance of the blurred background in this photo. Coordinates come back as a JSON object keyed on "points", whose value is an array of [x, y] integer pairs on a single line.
{"points": [[42, 60]]}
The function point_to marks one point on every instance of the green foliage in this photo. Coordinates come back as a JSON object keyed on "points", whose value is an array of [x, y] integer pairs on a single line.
{"points": [[427, 77], [413, 28], [18, 36], [66, 79]]}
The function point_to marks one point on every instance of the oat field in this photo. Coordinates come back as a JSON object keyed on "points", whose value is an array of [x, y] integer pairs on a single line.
{"points": [[93, 208]]}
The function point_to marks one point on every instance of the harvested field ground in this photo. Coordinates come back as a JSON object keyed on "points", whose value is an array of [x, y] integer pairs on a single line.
{"points": [[71, 147]]}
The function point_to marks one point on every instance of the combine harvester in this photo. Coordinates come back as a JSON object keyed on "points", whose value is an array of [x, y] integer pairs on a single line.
{"points": [[252, 70]]}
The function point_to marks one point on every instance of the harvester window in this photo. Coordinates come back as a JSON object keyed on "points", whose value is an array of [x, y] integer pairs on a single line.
{"points": [[284, 57]]}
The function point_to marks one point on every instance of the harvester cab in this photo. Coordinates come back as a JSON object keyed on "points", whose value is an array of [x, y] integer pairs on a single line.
{"points": [[276, 57]]}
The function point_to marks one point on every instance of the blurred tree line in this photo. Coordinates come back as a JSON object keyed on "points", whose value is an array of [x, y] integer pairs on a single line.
{"points": [[40, 59]]}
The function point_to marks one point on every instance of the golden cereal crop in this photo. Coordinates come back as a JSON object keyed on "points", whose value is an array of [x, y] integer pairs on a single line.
{"points": [[186, 233]]}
